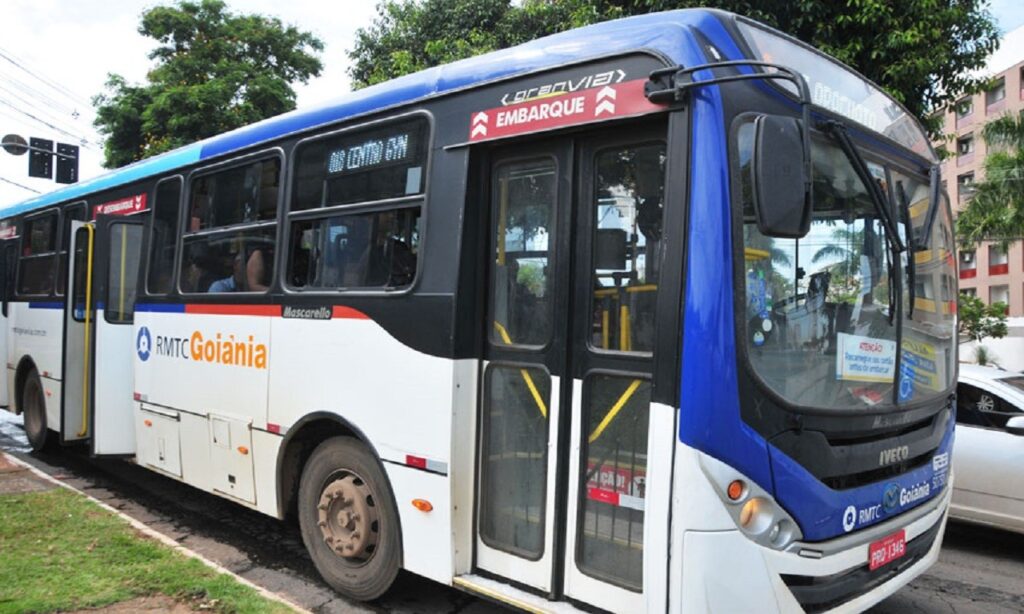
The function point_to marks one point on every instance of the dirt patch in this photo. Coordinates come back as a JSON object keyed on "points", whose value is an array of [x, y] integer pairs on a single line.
{"points": [[147, 605]]}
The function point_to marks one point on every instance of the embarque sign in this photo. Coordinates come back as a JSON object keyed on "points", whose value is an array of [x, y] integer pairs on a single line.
{"points": [[557, 110]]}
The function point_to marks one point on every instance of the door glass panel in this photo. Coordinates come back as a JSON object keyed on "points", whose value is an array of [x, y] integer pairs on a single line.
{"points": [[611, 524], [522, 272], [81, 257], [123, 274], [627, 221], [514, 468]]}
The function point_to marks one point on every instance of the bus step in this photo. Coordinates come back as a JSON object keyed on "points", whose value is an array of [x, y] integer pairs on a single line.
{"points": [[511, 596]]}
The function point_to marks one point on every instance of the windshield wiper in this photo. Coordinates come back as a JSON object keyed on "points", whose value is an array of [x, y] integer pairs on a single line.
{"points": [[908, 225], [838, 132], [922, 243]]}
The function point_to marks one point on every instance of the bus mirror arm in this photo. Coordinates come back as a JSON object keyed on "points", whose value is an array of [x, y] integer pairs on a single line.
{"points": [[674, 84]]}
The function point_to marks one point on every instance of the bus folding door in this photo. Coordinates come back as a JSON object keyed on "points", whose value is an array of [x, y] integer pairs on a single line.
{"points": [[79, 319], [115, 283], [8, 256]]}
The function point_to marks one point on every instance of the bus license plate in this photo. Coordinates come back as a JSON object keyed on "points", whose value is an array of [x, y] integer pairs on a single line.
{"points": [[887, 550]]}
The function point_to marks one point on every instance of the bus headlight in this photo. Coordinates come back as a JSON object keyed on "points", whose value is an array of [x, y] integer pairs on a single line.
{"points": [[754, 510]]}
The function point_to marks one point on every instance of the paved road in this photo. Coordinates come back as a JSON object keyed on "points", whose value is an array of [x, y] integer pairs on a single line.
{"points": [[980, 570]]}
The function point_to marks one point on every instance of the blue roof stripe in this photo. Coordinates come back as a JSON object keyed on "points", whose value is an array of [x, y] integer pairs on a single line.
{"points": [[665, 33], [133, 172]]}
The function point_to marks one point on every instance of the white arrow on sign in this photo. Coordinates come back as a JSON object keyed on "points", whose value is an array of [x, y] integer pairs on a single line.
{"points": [[605, 101], [479, 125]]}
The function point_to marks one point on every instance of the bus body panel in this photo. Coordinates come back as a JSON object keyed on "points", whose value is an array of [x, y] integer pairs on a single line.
{"points": [[399, 399], [38, 337]]}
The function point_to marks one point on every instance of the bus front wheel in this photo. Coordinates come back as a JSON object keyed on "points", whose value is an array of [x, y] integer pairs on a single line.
{"points": [[33, 403], [348, 519]]}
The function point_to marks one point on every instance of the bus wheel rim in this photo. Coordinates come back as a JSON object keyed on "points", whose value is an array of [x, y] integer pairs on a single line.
{"points": [[347, 517]]}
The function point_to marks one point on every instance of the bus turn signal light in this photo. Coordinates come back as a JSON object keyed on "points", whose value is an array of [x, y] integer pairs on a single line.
{"points": [[243, 450], [422, 505], [735, 490]]}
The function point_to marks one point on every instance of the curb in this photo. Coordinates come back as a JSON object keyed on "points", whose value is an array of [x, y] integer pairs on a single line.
{"points": [[160, 537]]}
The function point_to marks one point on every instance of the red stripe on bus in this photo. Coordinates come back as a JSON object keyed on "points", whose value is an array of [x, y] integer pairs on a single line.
{"points": [[234, 310], [340, 311]]}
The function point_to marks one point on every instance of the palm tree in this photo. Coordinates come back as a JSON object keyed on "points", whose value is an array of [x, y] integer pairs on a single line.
{"points": [[996, 210], [847, 247]]}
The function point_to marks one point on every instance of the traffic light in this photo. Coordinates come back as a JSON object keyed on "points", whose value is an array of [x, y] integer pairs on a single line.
{"points": [[40, 158], [67, 164]]}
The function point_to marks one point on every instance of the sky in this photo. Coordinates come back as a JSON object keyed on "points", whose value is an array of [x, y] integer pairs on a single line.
{"points": [[55, 56]]}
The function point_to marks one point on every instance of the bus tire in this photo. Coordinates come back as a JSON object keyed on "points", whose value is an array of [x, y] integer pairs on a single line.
{"points": [[348, 519], [33, 404]]}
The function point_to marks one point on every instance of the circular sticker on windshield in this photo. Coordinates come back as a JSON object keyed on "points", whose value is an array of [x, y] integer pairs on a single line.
{"points": [[766, 325], [758, 338]]}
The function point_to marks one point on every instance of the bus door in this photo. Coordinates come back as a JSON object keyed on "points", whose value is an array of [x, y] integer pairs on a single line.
{"points": [[118, 255], [575, 233], [8, 258], [78, 330]]}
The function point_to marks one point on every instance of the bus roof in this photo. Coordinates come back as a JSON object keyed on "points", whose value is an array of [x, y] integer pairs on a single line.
{"points": [[664, 33]]}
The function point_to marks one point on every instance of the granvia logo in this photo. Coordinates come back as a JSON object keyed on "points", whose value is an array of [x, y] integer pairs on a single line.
{"points": [[143, 343]]}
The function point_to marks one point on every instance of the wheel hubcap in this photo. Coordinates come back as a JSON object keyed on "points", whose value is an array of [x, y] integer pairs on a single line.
{"points": [[348, 518]]}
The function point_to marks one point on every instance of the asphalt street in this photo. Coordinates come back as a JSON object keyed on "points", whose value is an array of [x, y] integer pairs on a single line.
{"points": [[980, 569]]}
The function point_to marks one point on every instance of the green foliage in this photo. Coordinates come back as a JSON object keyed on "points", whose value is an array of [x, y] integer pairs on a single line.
{"points": [[921, 51], [61, 552], [978, 320], [215, 71], [996, 209]]}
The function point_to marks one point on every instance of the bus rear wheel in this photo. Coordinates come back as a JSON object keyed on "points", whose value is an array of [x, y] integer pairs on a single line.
{"points": [[348, 519], [33, 403]]}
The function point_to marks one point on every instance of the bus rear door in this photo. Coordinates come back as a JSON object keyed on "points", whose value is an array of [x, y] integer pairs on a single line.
{"points": [[564, 444], [98, 337], [8, 258], [115, 282]]}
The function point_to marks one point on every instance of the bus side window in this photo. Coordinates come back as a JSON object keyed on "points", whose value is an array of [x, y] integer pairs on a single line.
{"points": [[229, 239], [38, 252], [163, 238], [75, 212], [360, 250]]}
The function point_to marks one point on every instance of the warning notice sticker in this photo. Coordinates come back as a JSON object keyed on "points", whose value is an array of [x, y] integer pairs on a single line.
{"points": [[562, 109]]}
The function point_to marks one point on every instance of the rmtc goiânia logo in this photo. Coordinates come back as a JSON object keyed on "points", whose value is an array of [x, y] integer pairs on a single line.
{"points": [[142, 343]]}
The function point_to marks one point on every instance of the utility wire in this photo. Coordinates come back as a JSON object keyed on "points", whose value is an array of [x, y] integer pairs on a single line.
{"points": [[51, 115], [28, 89], [7, 55], [84, 142], [16, 184]]}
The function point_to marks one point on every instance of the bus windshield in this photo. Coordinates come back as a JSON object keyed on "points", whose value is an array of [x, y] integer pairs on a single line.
{"points": [[822, 312]]}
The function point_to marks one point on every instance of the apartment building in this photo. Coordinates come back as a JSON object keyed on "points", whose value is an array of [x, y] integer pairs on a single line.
{"points": [[987, 271]]}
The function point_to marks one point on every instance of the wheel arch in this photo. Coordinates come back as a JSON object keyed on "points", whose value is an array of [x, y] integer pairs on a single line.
{"points": [[25, 366], [299, 442]]}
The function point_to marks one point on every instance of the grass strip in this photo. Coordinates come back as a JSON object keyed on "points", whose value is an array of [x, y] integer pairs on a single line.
{"points": [[59, 551]]}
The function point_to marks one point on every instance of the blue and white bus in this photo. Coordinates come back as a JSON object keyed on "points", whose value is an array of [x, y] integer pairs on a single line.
{"points": [[652, 315]]}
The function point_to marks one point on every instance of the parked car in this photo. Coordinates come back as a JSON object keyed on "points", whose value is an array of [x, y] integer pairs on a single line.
{"points": [[988, 458]]}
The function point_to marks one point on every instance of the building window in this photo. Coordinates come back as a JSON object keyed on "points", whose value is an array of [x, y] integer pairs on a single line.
{"points": [[999, 294], [969, 291], [963, 186], [968, 265], [998, 261], [964, 107], [965, 145], [997, 93]]}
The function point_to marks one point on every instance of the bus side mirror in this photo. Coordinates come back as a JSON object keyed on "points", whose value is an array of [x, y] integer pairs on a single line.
{"points": [[782, 200]]}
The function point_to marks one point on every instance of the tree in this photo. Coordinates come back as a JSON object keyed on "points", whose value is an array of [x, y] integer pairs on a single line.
{"points": [[215, 71], [921, 51], [996, 209], [978, 320]]}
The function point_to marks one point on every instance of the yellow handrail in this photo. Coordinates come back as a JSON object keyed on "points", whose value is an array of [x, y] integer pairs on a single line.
{"points": [[524, 373], [124, 251], [88, 322], [614, 411]]}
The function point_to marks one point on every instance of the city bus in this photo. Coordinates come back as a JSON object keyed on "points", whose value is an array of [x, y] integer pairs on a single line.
{"points": [[651, 315]]}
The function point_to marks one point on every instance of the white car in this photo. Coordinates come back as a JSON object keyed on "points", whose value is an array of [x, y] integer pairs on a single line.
{"points": [[988, 457]]}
